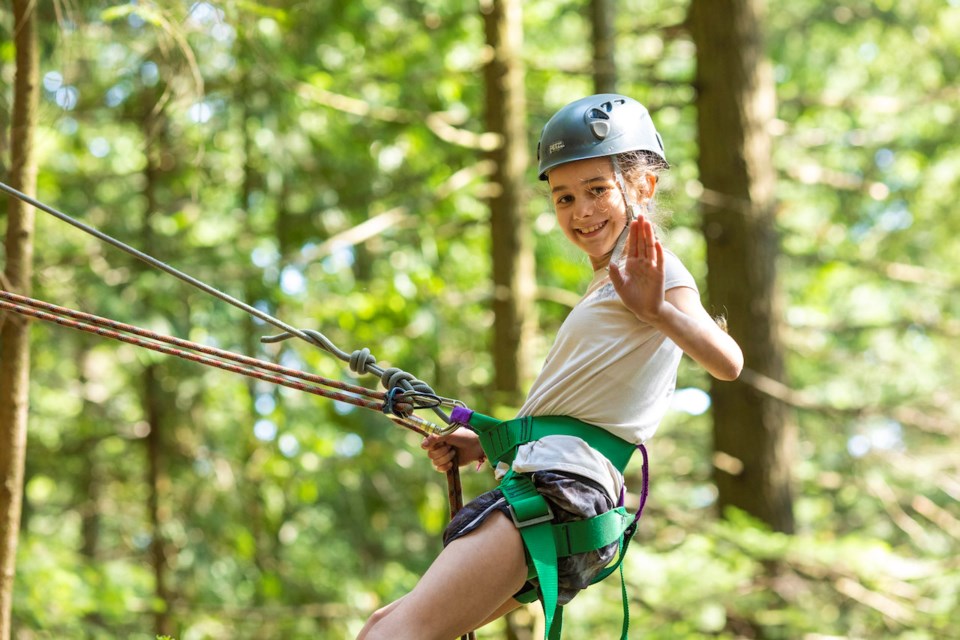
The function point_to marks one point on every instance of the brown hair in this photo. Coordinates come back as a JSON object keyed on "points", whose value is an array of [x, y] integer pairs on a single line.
{"points": [[635, 166]]}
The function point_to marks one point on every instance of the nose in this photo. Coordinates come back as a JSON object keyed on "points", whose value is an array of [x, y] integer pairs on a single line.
{"points": [[582, 209]]}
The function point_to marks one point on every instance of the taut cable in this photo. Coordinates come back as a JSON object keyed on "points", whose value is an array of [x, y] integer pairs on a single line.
{"points": [[236, 363], [361, 361], [313, 337]]}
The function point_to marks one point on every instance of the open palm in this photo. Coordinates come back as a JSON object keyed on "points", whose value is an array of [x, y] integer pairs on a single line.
{"points": [[640, 280]]}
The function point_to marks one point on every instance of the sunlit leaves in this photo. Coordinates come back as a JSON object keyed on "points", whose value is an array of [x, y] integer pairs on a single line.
{"points": [[285, 131]]}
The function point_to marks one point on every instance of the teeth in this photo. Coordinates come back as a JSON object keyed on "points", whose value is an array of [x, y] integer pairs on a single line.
{"points": [[593, 228]]}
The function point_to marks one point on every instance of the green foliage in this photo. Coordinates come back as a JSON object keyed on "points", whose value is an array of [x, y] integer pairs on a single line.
{"points": [[269, 133]]}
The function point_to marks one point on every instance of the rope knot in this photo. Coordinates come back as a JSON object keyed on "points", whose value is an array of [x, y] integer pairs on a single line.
{"points": [[391, 406], [394, 377], [361, 360]]}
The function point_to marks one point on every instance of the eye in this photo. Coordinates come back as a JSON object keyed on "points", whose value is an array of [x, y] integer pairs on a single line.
{"points": [[600, 190], [564, 199]]}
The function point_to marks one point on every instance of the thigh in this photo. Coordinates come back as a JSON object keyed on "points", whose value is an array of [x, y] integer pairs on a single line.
{"points": [[473, 578]]}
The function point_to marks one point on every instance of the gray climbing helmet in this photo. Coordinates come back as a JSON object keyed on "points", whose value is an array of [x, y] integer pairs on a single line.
{"points": [[600, 125]]}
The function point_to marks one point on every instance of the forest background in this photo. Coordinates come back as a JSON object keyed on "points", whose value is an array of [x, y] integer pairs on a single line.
{"points": [[344, 166]]}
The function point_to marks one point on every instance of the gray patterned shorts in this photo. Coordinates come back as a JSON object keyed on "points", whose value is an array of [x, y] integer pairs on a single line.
{"points": [[571, 498]]}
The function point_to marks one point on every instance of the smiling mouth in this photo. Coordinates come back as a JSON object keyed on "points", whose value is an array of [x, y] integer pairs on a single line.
{"points": [[588, 230]]}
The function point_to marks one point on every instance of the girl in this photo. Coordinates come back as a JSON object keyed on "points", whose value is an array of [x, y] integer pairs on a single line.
{"points": [[611, 372]]}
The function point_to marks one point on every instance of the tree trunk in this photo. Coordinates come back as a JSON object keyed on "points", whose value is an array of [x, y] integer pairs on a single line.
{"points": [[251, 473], [752, 434], [513, 266], [604, 44], [90, 486], [158, 480], [18, 273], [159, 486], [514, 283]]}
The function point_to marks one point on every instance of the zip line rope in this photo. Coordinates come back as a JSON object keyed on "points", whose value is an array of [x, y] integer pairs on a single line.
{"points": [[162, 266], [412, 391], [355, 395], [360, 361]]}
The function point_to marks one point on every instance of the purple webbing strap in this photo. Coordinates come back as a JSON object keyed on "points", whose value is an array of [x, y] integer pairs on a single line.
{"points": [[644, 488], [461, 415]]}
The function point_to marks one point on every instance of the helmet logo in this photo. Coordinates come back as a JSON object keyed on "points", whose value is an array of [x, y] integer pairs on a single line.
{"points": [[555, 146]]}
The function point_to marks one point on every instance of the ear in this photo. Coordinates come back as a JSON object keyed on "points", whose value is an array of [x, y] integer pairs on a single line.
{"points": [[646, 187], [649, 186]]}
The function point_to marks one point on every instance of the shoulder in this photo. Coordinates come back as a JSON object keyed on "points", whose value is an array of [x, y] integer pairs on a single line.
{"points": [[677, 274]]}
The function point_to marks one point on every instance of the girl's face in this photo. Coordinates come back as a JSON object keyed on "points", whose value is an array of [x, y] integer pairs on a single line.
{"points": [[589, 206]]}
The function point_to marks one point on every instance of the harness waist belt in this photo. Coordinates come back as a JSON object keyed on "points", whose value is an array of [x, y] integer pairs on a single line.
{"points": [[501, 439]]}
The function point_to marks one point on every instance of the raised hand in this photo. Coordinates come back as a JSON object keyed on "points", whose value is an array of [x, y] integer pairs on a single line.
{"points": [[640, 281]]}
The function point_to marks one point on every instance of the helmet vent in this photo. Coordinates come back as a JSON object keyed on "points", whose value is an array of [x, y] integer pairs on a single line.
{"points": [[598, 121], [609, 105]]}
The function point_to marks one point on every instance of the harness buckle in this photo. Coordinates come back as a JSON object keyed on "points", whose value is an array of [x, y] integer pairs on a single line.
{"points": [[547, 517]]}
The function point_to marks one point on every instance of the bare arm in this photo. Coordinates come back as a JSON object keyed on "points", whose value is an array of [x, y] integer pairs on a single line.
{"points": [[678, 312], [687, 323]]}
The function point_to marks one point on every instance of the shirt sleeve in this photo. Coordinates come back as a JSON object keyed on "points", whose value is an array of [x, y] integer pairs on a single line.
{"points": [[677, 274]]}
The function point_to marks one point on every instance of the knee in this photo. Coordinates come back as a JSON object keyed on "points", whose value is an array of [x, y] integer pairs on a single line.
{"points": [[376, 627]]}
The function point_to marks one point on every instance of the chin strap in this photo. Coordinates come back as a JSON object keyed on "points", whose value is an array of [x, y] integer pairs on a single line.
{"points": [[631, 209]]}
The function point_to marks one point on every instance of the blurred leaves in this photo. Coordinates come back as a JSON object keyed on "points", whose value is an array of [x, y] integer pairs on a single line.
{"points": [[287, 128]]}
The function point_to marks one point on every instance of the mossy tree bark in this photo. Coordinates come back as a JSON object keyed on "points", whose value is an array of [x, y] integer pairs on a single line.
{"points": [[18, 274], [514, 285], [735, 103]]}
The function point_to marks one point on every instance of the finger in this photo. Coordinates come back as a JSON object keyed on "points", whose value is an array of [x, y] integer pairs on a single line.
{"points": [[441, 454], [432, 441], [630, 250], [634, 239], [642, 251], [438, 450], [442, 463], [649, 241], [660, 263]]}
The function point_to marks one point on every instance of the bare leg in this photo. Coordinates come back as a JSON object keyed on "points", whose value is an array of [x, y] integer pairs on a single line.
{"points": [[501, 611], [470, 582]]}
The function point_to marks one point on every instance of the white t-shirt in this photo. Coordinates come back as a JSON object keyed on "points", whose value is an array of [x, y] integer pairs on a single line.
{"points": [[606, 368]]}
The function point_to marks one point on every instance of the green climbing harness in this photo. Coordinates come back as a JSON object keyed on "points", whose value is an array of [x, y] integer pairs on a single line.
{"points": [[544, 540]]}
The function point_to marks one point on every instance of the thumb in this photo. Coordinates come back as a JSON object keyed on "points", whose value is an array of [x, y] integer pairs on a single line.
{"points": [[431, 441], [615, 277]]}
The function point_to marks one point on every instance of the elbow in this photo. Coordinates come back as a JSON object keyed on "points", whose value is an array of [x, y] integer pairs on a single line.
{"points": [[729, 374], [730, 369]]}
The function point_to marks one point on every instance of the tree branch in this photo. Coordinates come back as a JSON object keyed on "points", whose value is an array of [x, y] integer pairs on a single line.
{"points": [[911, 416], [441, 124], [397, 216]]}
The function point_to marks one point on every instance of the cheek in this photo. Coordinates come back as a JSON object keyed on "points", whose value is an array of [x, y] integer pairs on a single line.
{"points": [[563, 221], [615, 206], [618, 212]]}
